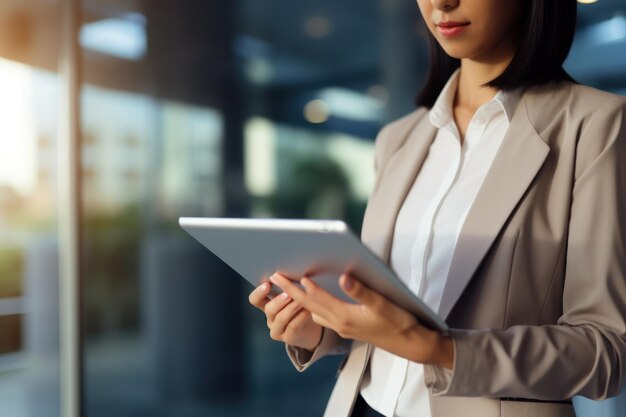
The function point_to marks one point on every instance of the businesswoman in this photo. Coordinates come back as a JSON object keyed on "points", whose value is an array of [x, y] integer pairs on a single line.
{"points": [[501, 202]]}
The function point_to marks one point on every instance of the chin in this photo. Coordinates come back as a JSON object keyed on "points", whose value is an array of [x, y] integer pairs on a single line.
{"points": [[456, 52], [461, 49]]}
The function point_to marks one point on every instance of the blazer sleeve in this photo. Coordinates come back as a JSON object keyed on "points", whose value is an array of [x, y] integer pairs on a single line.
{"points": [[331, 344], [584, 353]]}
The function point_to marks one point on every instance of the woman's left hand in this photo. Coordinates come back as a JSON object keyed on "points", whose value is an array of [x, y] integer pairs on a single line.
{"points": [[375, 320]]}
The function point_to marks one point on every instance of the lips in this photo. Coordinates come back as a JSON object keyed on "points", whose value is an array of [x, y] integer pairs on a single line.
{"points": [[450, 29], [452, 24]]}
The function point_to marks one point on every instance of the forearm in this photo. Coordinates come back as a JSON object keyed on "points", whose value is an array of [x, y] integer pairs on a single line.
{"points": [[422, 345], [540, 362]]}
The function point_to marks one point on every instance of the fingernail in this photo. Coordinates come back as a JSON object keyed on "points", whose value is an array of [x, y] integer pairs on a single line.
{"points": [[264, 287], [348, 282], [284, 296], [273, 279]]}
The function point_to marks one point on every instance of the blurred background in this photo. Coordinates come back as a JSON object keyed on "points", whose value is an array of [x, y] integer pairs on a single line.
{"points": [[261, 108]]}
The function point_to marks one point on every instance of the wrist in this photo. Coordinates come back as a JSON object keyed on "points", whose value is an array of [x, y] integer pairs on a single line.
{"points": [[445, 352], [314, 346], [430, 347]]}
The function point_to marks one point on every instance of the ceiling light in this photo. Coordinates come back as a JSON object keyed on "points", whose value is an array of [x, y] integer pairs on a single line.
{"points": [[351, 105], [609, 31], [124, 37], [318, 27], [316, 111]]}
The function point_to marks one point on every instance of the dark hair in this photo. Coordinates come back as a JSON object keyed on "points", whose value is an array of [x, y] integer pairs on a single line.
{"points": [[547, 33]]}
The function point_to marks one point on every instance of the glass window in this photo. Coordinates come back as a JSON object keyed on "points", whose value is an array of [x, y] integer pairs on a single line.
{"points": [[240, 108], [598, 55], [29, 303]]}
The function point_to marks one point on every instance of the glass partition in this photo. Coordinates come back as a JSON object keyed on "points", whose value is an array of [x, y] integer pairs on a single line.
{"points": [[29, 298], [241, 108]]}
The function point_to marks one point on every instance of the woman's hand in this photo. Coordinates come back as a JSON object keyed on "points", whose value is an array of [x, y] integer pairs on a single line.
{"points": [[287, 320], [375, 320]]}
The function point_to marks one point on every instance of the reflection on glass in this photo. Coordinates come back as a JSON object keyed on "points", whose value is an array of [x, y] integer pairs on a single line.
{"points": [[193, 108], [303, 173], [145, 163], [29, 356]]}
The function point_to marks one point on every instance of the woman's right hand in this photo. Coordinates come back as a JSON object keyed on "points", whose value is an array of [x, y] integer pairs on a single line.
{"points": [[287, 320]]}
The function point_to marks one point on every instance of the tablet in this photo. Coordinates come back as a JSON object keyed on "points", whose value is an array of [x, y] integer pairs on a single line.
{"points": [[319, 249]]}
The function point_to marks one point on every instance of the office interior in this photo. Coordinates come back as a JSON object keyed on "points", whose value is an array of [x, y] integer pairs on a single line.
{"points": [[239, 108]]}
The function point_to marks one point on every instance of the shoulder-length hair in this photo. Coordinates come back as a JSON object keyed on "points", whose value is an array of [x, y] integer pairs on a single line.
{"points": [[547, 33]]}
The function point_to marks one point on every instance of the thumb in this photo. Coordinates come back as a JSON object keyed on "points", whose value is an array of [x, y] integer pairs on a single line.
{"points": [[357, 291]]}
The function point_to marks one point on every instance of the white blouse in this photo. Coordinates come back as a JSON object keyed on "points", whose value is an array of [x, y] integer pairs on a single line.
{"points": [[427, 229]]}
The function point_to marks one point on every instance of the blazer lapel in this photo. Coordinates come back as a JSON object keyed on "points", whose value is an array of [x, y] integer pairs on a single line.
{"points": [[396, 181], [519, 158]]}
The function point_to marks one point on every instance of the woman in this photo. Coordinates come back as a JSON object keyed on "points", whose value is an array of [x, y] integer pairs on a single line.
{"points": [[501, 201]]}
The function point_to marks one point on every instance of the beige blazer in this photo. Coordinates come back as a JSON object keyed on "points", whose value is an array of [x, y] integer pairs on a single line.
{"points": [[536, 292]]}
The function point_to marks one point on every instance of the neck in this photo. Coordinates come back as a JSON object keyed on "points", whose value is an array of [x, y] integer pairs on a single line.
{"points": [[474, 73]]}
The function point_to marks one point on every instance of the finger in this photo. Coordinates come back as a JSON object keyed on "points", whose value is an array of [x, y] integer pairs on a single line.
{"points": [[321, 321], [301, 296], [284, 317], [294, 328], [258, 297], [359, 292], [297, 322], [273, 307], [329, 302], [289, 287]]}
